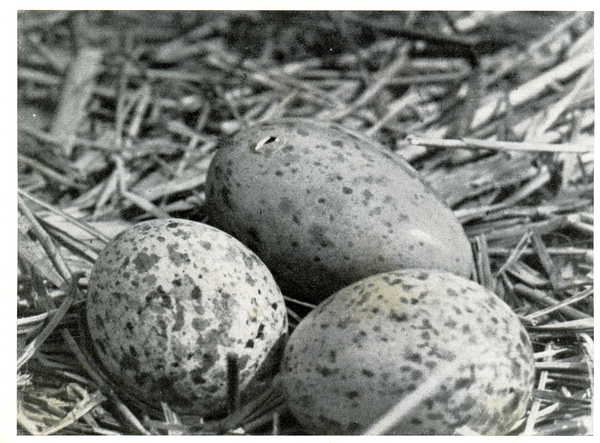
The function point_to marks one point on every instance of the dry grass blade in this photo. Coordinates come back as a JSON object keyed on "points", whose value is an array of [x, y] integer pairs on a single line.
{"points": [[381, 80], [559, 108], [544, 298], [46, 242], [83, 407], [52, 324], [536, 87], [583, 295], [77, 91], [136, 199], [131, 422], [422, 393], [535, 407], [576, 426], [482, 263], [172, 419], [79, 247], [50, 173], [36, 256], [470, 143], [582, 324], [85, 226], [515, 253], [547, 263]]}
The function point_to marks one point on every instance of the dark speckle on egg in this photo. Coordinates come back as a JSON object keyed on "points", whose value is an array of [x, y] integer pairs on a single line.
{"points": [[143, 262], [176, 257]]}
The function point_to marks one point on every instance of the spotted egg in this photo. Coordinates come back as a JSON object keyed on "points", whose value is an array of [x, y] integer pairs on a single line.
{"points": [[324, 206], [372, 344], [169, 300]]}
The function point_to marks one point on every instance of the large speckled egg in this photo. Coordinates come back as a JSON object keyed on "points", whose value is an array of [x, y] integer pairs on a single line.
{"points": [[323, 207], [370, 345], [169, 299]]}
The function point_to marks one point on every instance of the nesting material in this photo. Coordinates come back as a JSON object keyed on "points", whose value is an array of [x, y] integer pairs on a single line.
{"points": [[120, 114]]}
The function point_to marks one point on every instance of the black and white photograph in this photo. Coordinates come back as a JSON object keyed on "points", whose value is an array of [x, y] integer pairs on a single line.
{"points": [[289, 222]]}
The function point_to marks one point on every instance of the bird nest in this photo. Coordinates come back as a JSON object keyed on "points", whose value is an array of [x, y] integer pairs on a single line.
{"points": [[120, 113]]}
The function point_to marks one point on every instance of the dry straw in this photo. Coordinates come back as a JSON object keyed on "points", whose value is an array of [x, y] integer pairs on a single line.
{"points": [[120, 113]]}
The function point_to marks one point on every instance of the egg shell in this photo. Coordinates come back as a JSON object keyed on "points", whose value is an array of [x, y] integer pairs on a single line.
{"points": [[368, 346], [169, 299], [323, 207]]}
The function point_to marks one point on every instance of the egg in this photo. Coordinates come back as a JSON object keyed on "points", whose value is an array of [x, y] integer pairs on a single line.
{"points": [[372, 344], [168, 300], [324, 206]]}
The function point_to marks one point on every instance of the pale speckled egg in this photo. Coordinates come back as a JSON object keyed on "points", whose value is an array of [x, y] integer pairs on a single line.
{"points": [[169, 299], [368, 346], [324, 206]]}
